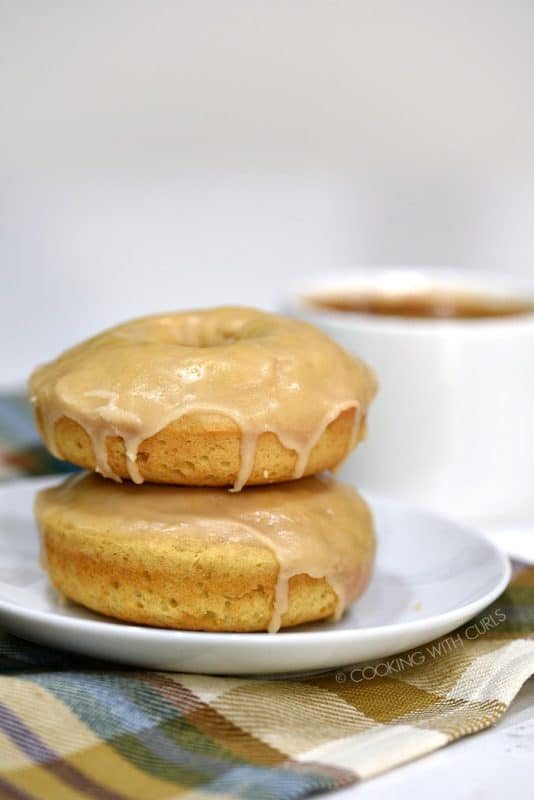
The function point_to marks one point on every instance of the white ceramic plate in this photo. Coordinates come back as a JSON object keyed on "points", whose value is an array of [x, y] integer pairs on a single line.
{"points": [[431, 575]]}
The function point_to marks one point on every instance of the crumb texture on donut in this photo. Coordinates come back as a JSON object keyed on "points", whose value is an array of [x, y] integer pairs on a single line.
{"points": [[227, 396], [206, 559]]}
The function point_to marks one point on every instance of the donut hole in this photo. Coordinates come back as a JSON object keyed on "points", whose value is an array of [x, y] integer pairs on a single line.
{"points": [[219, 340], [198, 330]]}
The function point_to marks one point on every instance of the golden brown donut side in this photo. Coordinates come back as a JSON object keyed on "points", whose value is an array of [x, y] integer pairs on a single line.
{"points": [[205, 450], [170, 588], [207, 559]]}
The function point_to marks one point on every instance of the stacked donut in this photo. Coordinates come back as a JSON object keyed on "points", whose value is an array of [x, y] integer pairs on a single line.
{"points": [[210, 425]]}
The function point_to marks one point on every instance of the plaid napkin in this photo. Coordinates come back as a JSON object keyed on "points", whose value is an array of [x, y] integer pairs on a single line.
{"points": [[74, 728]]}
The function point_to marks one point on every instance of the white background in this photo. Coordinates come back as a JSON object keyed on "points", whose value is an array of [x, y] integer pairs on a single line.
{"points": [[168, 154]]}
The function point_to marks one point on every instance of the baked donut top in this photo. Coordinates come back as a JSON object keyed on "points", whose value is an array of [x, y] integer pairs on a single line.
{"points": [[317, 526], [266, 372]]}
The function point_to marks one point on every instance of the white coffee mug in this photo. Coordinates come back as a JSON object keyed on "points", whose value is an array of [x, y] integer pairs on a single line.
{"points": [[452, 427]]}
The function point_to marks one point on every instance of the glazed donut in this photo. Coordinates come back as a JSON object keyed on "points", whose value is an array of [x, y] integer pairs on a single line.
{"points": [[227, 396], [180, 557]]}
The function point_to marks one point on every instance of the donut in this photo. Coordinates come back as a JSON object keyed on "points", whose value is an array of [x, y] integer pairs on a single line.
{"points": [[207, 559], [217, 397]]}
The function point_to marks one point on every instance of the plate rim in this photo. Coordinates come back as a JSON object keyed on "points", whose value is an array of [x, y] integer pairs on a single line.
{"points": [[287, 638]]}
